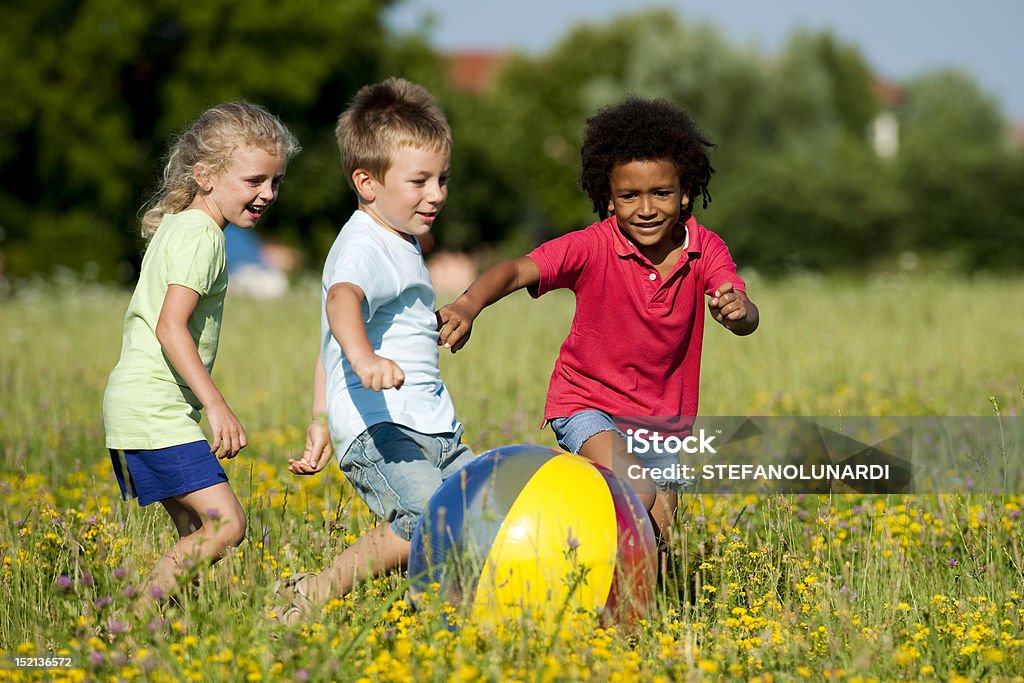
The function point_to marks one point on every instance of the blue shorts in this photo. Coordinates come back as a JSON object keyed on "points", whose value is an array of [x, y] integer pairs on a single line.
{"points": [[396, 469], [153, 475], [573, 431]]}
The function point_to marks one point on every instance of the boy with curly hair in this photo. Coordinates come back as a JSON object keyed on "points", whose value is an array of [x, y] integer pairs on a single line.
{"points": [[639, 276]]}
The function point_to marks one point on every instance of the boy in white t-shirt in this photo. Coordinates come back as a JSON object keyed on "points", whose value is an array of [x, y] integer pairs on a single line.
{"points": [[377, 382]]}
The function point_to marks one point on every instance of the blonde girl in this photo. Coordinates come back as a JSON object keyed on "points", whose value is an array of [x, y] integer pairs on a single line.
{"points": [[225, 168]]}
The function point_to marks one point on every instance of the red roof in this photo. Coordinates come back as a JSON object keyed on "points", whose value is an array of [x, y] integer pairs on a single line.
{"points": [[473, 70], [889, 93]]}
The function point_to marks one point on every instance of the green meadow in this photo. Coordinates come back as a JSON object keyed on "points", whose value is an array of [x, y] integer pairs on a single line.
{"points": [[756, 588]]}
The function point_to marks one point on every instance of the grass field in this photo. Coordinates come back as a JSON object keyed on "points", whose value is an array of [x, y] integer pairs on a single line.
{"points": [[763, 588]]}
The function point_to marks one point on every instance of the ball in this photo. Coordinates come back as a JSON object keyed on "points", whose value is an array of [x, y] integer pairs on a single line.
{"points": [[531, 532]]}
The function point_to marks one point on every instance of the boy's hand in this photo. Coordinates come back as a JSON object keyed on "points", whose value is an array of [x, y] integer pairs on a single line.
{"points": [[455, 321], [377, 372], [228, 433], [454, 325], [733, 310], [318, 450]]}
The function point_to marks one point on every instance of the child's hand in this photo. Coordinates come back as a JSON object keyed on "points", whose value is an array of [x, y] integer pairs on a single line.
{"points": [[454, 325], [733, 310], [377, 372], [318, 450], [228, 433]]}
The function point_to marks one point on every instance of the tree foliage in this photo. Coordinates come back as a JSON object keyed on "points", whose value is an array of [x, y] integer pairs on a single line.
{"points": [[799, 183], [96, 88], [958, 175]]}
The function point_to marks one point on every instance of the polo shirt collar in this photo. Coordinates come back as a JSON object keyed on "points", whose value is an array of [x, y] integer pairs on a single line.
{"points": [[624, 248]]}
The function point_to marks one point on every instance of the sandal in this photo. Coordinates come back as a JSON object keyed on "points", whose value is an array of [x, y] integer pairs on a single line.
{"points": [[299, 605]]}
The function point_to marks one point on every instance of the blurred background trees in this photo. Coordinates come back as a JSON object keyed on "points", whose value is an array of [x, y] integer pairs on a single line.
{"points": [[98, 87], [818, 167]]}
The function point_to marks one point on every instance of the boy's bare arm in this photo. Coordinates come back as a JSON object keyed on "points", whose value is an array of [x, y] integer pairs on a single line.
{"points": [[455, 321], [733, 310], [319, 448], [318, 407], [345, 316]]}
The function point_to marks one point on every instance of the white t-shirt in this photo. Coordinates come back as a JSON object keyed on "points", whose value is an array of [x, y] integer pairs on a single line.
{"points": [[398, 312]]}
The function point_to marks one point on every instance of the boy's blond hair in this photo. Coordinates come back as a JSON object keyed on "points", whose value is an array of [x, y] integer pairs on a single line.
{"points": [[384, 117]]}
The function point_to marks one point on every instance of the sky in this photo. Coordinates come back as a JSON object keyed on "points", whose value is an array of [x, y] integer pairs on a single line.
{"points": [[899, 39]]}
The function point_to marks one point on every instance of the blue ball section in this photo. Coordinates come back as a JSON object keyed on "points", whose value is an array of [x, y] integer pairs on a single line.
{"points": [[466, 511]]}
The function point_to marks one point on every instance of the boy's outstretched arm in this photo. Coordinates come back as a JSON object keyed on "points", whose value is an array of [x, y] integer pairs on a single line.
{"points": [[319, 448], [345, 316], [733, 310], [455, 321]]}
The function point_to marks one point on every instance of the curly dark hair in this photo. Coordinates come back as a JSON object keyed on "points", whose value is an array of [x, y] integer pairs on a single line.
{"points": [[638, 129]]}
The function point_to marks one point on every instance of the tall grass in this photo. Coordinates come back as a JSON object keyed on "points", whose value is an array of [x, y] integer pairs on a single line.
{"points": [[756, 586]]}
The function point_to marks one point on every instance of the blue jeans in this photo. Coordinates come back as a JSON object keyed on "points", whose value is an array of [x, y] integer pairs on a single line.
{"points": [[396, 469], [573, 431]]}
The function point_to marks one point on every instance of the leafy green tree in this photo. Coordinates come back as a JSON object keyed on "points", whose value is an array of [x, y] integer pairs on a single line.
{"points": [[530, 124], [95, 88], [796, 179], [483, 199], [803, 187], [842, 76], [811, 208], [961, 180]]}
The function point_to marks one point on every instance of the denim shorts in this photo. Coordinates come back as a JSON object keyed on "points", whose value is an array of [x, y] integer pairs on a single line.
{"points": [[573, 431], [161, 473], [396, 469]]}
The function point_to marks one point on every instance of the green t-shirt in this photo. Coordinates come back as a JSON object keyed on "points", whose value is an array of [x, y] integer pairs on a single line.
{"points": [[147, 405]]}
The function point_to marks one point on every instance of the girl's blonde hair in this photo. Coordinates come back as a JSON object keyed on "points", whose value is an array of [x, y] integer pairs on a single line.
{"points": [[212, 139]]}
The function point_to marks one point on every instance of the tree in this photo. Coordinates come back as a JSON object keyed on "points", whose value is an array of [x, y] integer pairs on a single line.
{"points": [[534, 116], [798, 185], [814, 208], [95, 88], [959, 176]]}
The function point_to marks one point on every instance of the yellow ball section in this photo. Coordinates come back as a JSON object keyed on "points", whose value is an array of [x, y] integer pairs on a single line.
{"points": [[556, 548]]}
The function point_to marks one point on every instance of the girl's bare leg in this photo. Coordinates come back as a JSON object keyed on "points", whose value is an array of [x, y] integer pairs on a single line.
{"points": [[209, 521]]}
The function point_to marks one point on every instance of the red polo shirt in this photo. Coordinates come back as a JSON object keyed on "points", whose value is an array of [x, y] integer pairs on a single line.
{"points": [[635, 341]]}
